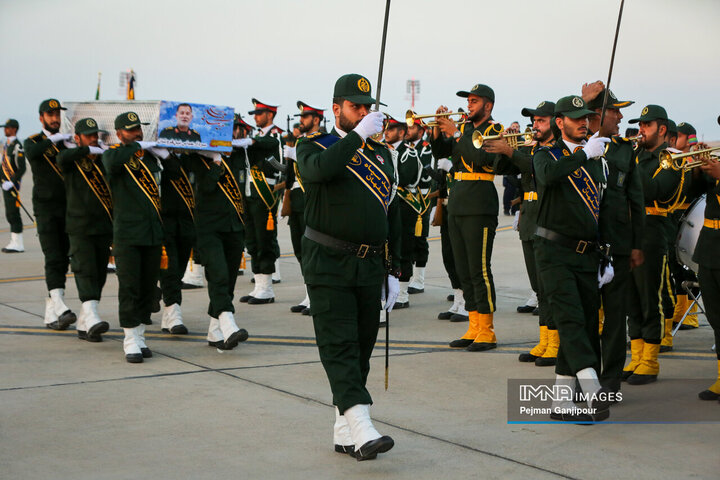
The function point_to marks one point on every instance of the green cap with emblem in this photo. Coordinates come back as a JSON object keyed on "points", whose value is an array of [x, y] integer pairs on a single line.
{"points": [[686, 128], [50, 104], [128, 121], [480, 90], [650, 113], [544, 109], [572, 106], [87, 126], [354, 88], [11, 123], [612, 101]]}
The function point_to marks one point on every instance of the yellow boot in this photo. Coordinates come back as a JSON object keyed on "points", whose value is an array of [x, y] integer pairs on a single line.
{"points": [[485, 339], [538, 349], [549, 358], [667, 342], [636, 351], [472, 331], [692, 320], [649, 367], [713, 391], [681, 306]]}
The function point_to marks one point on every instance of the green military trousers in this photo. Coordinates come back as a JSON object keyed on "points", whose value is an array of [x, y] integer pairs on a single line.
{"points": [[296, 221], [613, 341], [472, 239], [413, 250], [12, 212], [177, 248], [261, 243], [710, 286], [346, 321], [89, 259], [447, 251], [138, 270], [55, 246], [221, 253], [569, 280], [545, 318]]}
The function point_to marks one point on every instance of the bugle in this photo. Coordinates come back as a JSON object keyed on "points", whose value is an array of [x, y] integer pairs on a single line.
{"points": [[682, 161], [513, 138], [411, 116]]}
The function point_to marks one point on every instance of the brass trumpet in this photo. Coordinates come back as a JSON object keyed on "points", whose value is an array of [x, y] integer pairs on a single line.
{"points": [[411, 116], [681, 161], [478, 139]]}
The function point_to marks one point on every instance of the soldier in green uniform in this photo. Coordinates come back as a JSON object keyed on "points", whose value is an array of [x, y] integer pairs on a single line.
{"points": [[570, 177], [708, 261], [181, 131], [473, 209], [545, 352], [294, 199], [88, 223], [349, 181], [418, 249], [660, 190], [48, 197], [264, 153], [219, 222], [133, 174], [13, 168], [622, 216]]}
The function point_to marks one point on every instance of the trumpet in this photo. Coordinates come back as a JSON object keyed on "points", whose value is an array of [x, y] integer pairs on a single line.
{"points": [[681, 161], [411, 116], [478, 139]]}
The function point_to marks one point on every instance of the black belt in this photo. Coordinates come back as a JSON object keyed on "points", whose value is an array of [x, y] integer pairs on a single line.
{"points": [[580, 246], [356, 249]]}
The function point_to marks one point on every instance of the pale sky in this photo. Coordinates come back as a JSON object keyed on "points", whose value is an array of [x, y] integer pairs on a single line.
{"points": [[225, 52]]}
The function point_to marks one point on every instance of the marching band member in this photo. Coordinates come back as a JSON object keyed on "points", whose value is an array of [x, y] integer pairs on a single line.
{"points": [[11, 172]]}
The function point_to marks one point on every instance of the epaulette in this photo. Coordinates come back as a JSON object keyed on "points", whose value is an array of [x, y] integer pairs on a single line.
{"points": [[313, 135], [168, 129], [618, 139], [375, 142], [276, 130], [36, 138], [115, 145]]}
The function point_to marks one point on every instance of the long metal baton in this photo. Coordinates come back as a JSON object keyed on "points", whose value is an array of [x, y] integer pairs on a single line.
{"points": [[612, 62]]}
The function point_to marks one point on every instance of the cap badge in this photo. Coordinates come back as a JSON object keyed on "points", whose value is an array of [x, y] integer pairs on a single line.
{"points": [[132, 117], [644, 111], [363, 85], [53, 104], [577, 102], [91, 123], [541, 105], [681, 124], [612, 95]]}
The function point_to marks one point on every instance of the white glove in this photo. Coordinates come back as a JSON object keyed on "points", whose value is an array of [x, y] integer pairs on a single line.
{"points": [[371, 124], [595, 147], [96, 150], [393, 291], [214, 156], [59, 137], [160, 152], [147, 145], [7, 185], [289, 152], [242, 142], [69, 144], [516, 222], [444, 164], [607, 276]]}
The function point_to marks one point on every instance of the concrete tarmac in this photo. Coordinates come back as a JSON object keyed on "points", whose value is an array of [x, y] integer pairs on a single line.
{"points": [[76, 410]]}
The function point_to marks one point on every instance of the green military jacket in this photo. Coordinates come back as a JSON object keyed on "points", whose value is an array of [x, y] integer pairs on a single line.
{"points": [[470, 197], [174, 133], [409, 167], [622, 210], [338, 203], [86, 214], [177, 200], [214, 211], [659, 186], [522, 161], [13, 162], [136, 220], [48, 186], [426, 159], [265, 147], [706, 249], [562, 209]]}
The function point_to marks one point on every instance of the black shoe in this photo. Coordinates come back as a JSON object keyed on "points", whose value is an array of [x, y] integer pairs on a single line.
{"points": [[451, 298], [93, 334], [297, 308], [481, 346], [640, 379], [708, 395], [62, 323], [306, 311], [456, 317], [445, 315], [460, 343], [603, 401], [176, 330], [626, 374], [536, 312], [10, 250], [111, 270], [527, 358], [82, 334], [666, 348], [370, 450], [236, 337], [382, 324], [685, 326], [525, 309], [189, 286], [260, 301], [134, 357], [146, 353], [241, 272], [412, 290], [347, 449], [545, 361], [219, 344], [276, 281], [401, 305], [245, 298], [581, 418]]}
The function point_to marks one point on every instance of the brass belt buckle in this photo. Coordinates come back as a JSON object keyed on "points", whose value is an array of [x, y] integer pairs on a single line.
{"points": [[581, 246], [362, 251]]}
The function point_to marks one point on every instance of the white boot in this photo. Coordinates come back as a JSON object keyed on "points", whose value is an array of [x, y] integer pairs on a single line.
{"points": [[276, 277], [565, 395], [131, 345], [361, 428], [457, 300], [264, 290], [194, 275], [232, 334], [15, 245], [306, 300], [403, 299], [57, 296], [90, 314], [341, 434], [532, 301], [61, 316], [172, 320], [214, 335], [460, 303], [80, 325], [589, 383], [141, 339], [256, 286], [50, 316], [417, 282]]}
